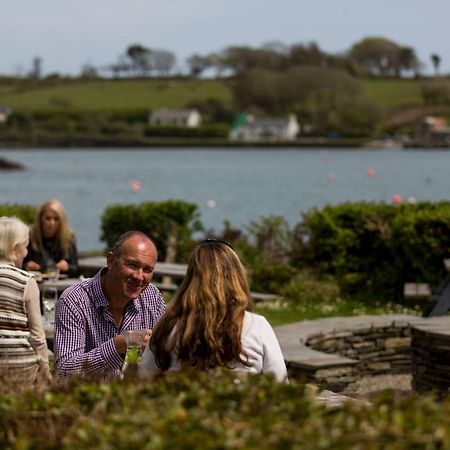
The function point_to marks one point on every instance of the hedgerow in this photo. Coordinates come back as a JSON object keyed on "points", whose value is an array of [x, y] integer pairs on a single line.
{"points": [[215, 410], [374, 248]]}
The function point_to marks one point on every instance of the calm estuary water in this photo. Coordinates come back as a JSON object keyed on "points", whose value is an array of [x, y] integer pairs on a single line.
{"points": [[240, 185]]}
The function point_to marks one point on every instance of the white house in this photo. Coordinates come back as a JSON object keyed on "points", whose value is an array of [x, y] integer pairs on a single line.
{"points": [[5, 112], [175, 117], [270, 129], [433, 130]]}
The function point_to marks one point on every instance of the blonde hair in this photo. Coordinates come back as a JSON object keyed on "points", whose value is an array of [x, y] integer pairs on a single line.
{"points": [[64, 234], [13, 232], [203, 323]]}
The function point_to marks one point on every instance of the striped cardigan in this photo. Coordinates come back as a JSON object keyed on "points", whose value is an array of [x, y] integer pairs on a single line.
{"points": [[17, 356]]}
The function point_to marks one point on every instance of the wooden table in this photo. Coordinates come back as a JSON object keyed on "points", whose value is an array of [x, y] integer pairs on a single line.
{"points": [[161, 268]]}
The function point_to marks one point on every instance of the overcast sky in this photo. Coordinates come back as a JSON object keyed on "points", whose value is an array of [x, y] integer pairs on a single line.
{"points": [[67, 35]]}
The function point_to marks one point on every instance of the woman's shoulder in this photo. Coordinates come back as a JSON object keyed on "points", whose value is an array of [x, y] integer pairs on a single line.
{"points": [[17, 270], [253, 320]]}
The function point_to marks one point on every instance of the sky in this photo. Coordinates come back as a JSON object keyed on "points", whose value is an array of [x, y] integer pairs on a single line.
{"points": [[67, 35]]}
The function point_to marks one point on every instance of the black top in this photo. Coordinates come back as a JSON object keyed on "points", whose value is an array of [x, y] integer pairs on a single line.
{"points": [[53, 254]]}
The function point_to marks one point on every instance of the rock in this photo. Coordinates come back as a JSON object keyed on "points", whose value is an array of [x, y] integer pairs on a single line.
{"points": [[9, 165]]}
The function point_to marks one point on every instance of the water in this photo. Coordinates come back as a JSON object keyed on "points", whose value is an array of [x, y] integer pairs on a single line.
{"points": [[239, 185]]}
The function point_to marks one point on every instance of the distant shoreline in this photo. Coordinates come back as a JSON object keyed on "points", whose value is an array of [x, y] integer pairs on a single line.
{"points": [[188, 143], [319, 142]]}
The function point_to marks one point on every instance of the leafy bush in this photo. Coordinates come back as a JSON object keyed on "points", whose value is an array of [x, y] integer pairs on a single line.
{"points": [[308, 289], [27, 213], [270, 278], [214, 410], [376, 248], [158, 220], [264, 247], [216, 130]]}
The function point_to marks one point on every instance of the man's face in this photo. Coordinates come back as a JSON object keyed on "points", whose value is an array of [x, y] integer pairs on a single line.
{"points": [[133, 270]]}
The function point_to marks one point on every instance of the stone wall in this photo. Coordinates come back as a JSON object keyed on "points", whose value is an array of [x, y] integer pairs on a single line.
{"points": [[376, 350], [431, 355], [337, 352]]}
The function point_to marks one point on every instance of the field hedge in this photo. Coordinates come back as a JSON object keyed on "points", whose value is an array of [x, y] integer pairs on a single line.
{"points": [[214, 410], [376, 248], [158, 220]]}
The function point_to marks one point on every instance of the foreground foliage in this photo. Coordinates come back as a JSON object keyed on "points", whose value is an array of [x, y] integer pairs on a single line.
{"points": [[216, 410]]}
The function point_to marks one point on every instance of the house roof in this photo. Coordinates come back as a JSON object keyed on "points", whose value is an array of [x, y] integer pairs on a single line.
{"points": [[5, 109], [172, 114], [437, 123], [274, 122]]}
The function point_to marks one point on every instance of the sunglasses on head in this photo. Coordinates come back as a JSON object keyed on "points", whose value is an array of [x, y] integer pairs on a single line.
{"points": [[217, 241]]}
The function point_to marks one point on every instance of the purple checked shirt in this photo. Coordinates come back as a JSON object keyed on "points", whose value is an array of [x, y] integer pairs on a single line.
{"points": [[84, 328]]}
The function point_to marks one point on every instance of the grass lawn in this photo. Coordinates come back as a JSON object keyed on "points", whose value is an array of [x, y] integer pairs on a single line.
{"points": [[283, 314]]}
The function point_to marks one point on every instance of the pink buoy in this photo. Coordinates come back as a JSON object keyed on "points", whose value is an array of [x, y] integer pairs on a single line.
{"points": [[371, 172], [396, 199], [135, 186], [331, 177]]}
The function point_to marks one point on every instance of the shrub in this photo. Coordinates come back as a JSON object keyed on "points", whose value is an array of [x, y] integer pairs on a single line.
{"points": [[374, 248], [264, 248], [26, 213], [158, 220], [211, 131], [214, 410], [307, 289], [270, 278]]}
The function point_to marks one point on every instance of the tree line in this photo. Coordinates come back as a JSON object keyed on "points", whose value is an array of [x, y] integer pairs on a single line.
{"points": [[372, 56]]}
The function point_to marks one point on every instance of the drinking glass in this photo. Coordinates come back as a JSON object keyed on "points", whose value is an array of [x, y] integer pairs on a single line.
{"points": [[49, 299], [134, 340], [53, 273]]}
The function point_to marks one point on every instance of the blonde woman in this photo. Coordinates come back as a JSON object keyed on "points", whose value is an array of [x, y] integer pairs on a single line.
{"points": [[23, 348], [52, 242], [208, 324]]}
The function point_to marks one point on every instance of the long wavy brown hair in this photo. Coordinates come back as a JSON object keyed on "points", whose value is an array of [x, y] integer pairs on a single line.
{"points": [[203, 323], [64, 235]]}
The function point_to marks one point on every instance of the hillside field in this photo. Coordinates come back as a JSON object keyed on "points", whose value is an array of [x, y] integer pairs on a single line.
{"points": [[114, 95], [129, 94]]}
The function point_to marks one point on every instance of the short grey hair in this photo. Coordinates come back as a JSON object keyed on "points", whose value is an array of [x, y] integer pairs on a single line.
{"points": [[117, 247], [13, 232]]}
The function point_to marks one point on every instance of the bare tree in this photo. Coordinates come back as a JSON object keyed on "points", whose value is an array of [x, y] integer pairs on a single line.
{"points": [[162, 61]]}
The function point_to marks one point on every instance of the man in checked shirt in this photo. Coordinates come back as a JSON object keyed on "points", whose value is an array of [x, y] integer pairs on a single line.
{"points": [[92, 315]]}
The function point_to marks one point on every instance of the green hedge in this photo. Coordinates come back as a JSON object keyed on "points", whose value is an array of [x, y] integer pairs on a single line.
{"points": [[215, 410], [158, 220], [216, 130], [27, 213], [376, 248]]}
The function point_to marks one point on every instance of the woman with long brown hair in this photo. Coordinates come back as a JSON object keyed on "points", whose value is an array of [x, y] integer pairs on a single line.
{"points": [[208, 324], [52, 242]]}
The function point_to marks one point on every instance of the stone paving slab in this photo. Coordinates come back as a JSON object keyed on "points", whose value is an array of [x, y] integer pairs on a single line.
{"points": [[438, 326]]}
